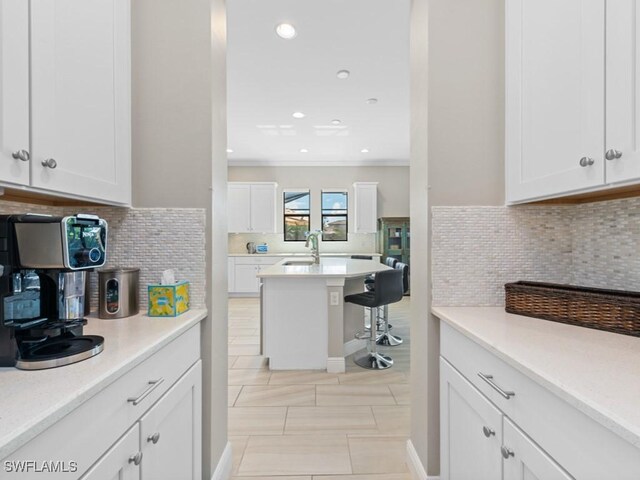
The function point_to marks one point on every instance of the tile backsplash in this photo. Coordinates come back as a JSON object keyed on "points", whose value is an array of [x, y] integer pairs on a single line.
{"points": [[357, 243], [476, 250], [153, 239]]}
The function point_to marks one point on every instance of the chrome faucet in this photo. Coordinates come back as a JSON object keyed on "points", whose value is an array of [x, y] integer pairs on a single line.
{"points": [[312, 238]]}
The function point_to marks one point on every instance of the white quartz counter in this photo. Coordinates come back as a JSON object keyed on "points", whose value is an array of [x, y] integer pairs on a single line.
{"points": [[328, 267], [302, 254], [31, 401], [594, 371]]}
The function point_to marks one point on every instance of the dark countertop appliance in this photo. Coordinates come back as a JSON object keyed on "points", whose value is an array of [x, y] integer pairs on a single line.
{"points": [[44, 262]]}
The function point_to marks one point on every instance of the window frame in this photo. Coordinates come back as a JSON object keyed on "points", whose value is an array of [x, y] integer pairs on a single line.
{"points": [[345, 214], [285, 214]]}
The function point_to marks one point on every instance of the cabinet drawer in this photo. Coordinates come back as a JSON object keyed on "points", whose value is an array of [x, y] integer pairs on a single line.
{"points": [[90, 430], [257, 260], [585, 448]]}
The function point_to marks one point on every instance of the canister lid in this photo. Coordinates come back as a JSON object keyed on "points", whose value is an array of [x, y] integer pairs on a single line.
{"points": [[117, 270]]}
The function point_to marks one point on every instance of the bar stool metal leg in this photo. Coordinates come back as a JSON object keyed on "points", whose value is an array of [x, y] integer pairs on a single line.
{"points": [[387, 339], [374, 360]]}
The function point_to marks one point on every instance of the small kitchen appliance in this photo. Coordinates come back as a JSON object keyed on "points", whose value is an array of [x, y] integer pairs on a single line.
{"points": [[262, 248], [44, 262], [118, 292], [251, 247]]}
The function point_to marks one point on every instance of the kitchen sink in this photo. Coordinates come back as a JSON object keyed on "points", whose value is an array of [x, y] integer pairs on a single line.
{"points": [[298, 263]]}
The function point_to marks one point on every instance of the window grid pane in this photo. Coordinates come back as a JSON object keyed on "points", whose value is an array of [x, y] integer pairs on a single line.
{"points": [[297, 215], [335, 219]]}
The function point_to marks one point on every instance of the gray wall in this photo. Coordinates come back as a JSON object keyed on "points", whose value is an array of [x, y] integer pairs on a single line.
{"points": [[457, 98], [178, 92]]}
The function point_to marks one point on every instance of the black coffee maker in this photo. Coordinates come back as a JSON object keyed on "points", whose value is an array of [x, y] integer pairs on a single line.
{"points": [[44, 262]]}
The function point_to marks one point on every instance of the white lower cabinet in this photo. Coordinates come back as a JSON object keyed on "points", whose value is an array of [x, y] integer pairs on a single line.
{"points": [[524, 460], [171, 432], [119, 463], [146, 425], [497, 423], [471, 429], [243, 271]]}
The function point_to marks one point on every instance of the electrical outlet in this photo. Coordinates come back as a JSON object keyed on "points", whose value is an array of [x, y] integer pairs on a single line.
{"points": [[334, 299]]}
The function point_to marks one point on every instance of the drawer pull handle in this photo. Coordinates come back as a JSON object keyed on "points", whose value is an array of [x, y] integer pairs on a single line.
{"points": [[153, 384], [489, 380], [136, 459], [154, 438], [488, 431], [506, 452]]}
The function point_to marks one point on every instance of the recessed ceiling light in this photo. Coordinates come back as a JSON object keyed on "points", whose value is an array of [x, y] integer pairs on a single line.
{"points": [[336, 121], [229, 150], [364, 150], [298, 115], [304, 150], [372, 101], [342, 74], [286, 31]]}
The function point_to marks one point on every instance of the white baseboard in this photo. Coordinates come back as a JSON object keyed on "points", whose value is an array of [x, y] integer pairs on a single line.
{"points": [[352, 346], [336, 365], [416, 468], [225, 465]]}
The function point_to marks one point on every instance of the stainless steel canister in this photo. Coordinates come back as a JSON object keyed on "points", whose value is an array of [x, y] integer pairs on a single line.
{"points": [[118, 292]]}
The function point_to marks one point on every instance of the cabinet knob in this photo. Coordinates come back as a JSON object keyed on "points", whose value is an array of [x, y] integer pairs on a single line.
{"points": [[136, 459], [506, 452], [21, 155], [49, 163], [488, 431], [154, 438], [612, 154], [586, 161]]}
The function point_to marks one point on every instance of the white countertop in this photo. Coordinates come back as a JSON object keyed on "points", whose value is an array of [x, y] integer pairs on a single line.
{"points": [[328, 267], [301, 254], [31, 401], [594, 371]]}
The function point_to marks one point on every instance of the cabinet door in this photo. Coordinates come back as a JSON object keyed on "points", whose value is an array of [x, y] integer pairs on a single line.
{"points": [[239, 208], [80, 98], [470, 430], [117, 463], [171, 432], [263, 208], [554, 97], [246, 280], [366, 208], [14, 91], [623, 91], [524, 460]]}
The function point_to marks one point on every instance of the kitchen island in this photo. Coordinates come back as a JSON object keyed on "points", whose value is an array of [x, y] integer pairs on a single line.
{"points": [[306, 324]]}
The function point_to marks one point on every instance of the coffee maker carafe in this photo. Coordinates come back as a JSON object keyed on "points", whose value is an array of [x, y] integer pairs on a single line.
{"points": [[44, 262]]}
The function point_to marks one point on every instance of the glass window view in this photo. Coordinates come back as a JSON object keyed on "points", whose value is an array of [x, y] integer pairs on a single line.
{"points": [[334, 216], [296, 216]]}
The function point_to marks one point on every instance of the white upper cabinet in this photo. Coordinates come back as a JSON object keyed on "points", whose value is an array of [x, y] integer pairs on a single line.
{"points": [[14, 91], [80, 97], [623, 92], [263, 208], [252, 207], [365, 207], [555, 96]]}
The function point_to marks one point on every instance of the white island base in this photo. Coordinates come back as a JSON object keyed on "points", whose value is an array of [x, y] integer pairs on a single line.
{"points": [[306, 325]]}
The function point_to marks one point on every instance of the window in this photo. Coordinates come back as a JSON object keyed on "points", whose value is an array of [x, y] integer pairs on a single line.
{"points": [[334, 216], [297, 218]]}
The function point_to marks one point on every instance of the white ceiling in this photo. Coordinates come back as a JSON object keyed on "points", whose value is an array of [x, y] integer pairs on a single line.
{"points": [[270, 78]]}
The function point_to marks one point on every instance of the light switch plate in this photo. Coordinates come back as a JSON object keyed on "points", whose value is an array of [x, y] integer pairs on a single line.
{"points": [[334, 299]]}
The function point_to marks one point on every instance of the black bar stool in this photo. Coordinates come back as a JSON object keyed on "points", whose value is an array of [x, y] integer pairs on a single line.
{"points": [[386, 338], [388, 289]]}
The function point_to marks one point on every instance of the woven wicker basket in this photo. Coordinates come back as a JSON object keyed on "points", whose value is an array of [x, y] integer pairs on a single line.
{"points": [[615, 311]]}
